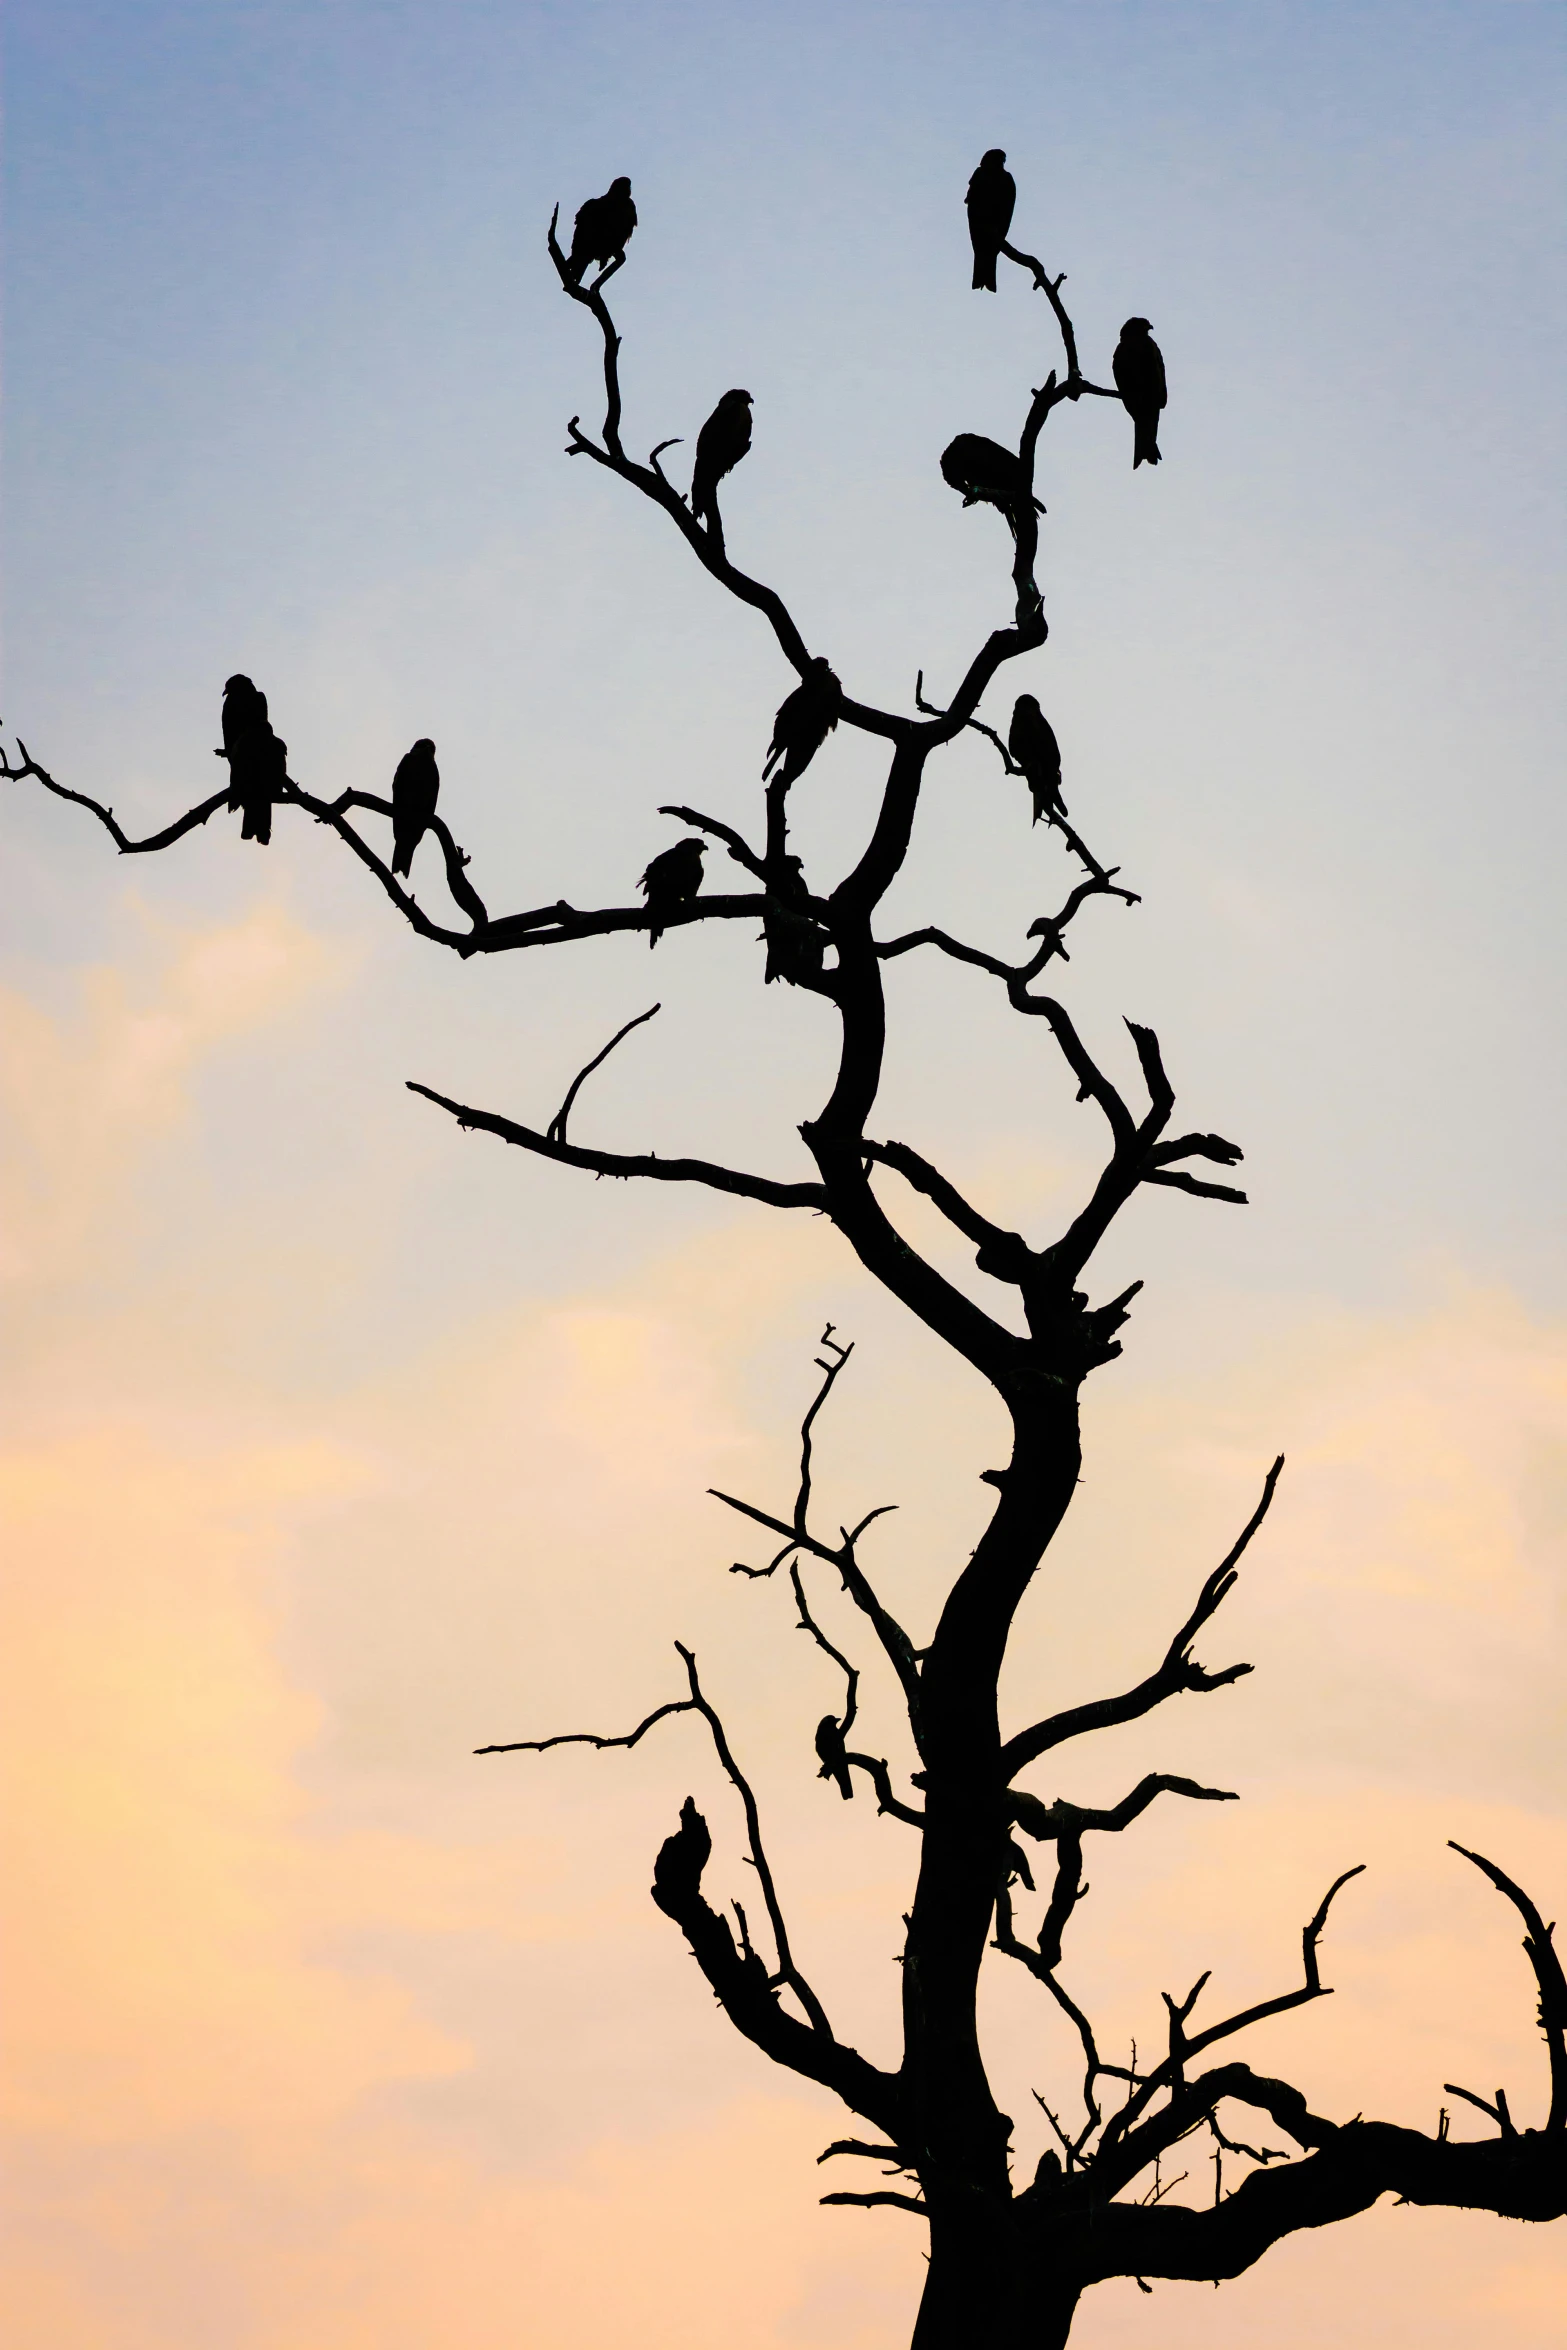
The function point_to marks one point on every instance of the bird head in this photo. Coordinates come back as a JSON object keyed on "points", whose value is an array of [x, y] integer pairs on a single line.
{"points": [[425, 745], [1027, 702], [238, 685], [993, 159], [1136, 326], [737, 396], [620, 187]]}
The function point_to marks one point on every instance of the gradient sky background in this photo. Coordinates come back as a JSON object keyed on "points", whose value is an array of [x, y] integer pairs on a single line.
{"points": [[337, 1442]]}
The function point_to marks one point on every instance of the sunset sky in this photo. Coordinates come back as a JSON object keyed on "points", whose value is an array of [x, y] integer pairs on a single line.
{"points": [[337, 1443]]}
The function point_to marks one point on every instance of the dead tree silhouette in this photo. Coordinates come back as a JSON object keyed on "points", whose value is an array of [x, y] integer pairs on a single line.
{"points": [[1008, 2261]]}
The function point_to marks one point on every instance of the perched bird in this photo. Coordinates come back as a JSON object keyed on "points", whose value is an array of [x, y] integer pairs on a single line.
{"points": [[415, 788], [720, 445], [1138, 368], [804, 721], [602, 230], [677, 1872], [987, 474], [992, 192], [794, 944], [673, 879], [1032, 741], [830, 1754], [257, 760]]}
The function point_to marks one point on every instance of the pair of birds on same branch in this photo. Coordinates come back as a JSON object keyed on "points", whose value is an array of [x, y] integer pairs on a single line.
{"points": [[258, 774], [802, 724], [600, 234], [257, 758], [1138, 364]]}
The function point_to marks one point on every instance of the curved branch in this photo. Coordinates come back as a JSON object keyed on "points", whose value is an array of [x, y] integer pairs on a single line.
{"points": [[30, 770], [1549, 1980], [923, 1177], [1522, 2178], [556, 1131], [881, 1779], [1178, 1672], [676, 1705], [787, 1971]]}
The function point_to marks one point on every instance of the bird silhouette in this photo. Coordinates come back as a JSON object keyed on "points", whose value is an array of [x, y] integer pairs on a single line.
{"points": [[830, 1754], [992, 192], [415, 789], [677, 1872], [804, 721], [672, 880], [602, 230], [794, 943], [720, 445], [1032, 741], [257, 760], [987, 474], [1138, 368]]}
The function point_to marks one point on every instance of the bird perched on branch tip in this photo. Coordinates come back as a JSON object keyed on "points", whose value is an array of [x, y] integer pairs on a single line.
{"points": [[804, 721], [415, 788], [677, 1872], [992, 192], [602, 230], [720, 445], [830, 1754], [1138, 368], [1031, 739], [257, 760], [672, 880]]}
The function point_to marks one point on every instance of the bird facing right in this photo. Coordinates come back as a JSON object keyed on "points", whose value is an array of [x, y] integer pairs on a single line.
{"points": [[992, 192], [672, 880], [602, 230], [1138, 368], [415, 788], [257, 760], [720, 445]]}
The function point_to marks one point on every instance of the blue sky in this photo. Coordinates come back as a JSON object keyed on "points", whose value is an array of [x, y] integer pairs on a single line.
{"points": [[286, 374]]}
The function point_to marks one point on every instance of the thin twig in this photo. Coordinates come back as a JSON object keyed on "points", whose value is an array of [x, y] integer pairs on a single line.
{"points": [[556, 1129]]}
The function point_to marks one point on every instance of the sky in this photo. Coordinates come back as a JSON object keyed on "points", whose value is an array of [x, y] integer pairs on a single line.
{"points": [[337, 1443]]}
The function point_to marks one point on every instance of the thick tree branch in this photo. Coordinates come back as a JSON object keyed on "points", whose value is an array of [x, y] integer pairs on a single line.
{"points": [[1522, 2178]]}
